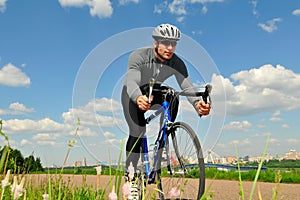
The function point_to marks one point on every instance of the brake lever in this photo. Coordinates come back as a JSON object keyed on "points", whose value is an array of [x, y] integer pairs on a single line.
{"points": [[206, 97]]}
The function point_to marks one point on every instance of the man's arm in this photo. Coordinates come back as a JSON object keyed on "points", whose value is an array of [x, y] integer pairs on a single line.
{"points": [[200, 106]]}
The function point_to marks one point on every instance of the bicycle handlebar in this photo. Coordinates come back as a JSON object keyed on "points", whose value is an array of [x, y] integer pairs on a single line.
{"points": [[205, 94]]}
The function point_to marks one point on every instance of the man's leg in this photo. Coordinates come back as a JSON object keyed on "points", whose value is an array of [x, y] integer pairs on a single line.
{"points": [[137, 128]]}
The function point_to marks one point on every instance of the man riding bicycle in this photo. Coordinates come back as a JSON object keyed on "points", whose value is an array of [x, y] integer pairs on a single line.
{"points": [[158, 63]]}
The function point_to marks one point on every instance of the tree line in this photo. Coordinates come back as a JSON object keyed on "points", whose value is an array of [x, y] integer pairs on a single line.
{"points": [[14, 160]]}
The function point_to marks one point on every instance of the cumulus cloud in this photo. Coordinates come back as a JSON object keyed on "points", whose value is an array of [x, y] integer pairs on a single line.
{"points": [[296, 12], [2, 5], [270, 25], [285, 126], [99, 8], [177, 7], [109, 134], [159, 8], [276, 119], [44, 136], [25, 142], [264, 89], [97, 113], [182, 8], [28, 126], [238, 126], [16, 109], [11, 75], [123, 2]]}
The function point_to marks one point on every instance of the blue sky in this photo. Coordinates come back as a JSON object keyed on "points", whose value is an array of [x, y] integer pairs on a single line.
{"points": [[51, 72]]}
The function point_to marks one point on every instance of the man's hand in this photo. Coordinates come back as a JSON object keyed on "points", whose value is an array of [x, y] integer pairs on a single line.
{"points": [[202, 108], [143, 103]]}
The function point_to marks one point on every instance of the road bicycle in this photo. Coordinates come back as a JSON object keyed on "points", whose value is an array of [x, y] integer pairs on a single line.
{"points": [[177, 167]]}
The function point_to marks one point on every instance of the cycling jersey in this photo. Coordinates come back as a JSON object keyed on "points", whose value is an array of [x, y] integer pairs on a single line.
{"points": [[143, 66]]}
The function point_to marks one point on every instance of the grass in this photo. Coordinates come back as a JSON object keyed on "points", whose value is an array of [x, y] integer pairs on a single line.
{"points": [[55, 187]]}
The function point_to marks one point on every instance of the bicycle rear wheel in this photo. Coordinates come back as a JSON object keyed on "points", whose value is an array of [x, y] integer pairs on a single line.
{"points": [[183, 172]]}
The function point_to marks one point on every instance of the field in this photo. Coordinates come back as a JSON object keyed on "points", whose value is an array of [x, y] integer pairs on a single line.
{"points": [[221, 189]]}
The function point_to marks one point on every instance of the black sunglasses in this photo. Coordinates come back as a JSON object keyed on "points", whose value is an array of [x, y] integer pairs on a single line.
{"points": [[168, 42]]}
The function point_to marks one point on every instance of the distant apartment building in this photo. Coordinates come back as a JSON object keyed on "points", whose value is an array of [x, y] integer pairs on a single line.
{"points": [[80, 163], [292, 155], [231, 159]]}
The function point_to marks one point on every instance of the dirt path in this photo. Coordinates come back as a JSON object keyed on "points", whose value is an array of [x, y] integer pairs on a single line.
{"points": [[221, 189]]}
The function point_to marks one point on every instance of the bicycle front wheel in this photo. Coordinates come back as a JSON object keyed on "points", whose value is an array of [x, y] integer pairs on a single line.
{"points": [[183, 172]]}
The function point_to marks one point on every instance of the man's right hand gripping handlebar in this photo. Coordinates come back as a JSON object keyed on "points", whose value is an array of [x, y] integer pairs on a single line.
{"points": [[203, 106], [144, 102]]}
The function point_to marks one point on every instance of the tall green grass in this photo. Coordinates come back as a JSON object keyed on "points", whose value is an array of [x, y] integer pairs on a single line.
{"points": [[55, 187]]}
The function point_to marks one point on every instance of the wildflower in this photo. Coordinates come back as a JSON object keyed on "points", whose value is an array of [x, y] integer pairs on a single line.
{"points": [[126, 189], [17, 189], [5, 181], [174, 192], [113, 195], [131, 171], [98, 169], [45, 196]]}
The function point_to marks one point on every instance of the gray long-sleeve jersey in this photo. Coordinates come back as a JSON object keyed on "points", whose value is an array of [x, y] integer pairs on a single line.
{"points": [[143, 66]]}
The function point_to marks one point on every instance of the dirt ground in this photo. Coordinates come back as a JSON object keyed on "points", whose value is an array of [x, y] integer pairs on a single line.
{"points": [[221, 189]]}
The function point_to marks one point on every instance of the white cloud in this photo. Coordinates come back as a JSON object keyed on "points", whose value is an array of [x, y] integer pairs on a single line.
{"points": [[73, 3], [270, 25], [238, 126], [276, 113], [160, 7], [206, 1], [97, 113], [10, 75], [258, 90], [109, 134], [16, 109], [124, 2], [27, 126], [25, 142], [296, 12], [180, 19], [254, 9], [2, 5], [285, 126], [179, 7], [85, 132], [99, 8], [204, 10], [276, 119], [44, 136]]}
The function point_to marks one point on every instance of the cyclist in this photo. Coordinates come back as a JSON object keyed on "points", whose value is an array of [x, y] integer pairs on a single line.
{"points": [[158, 62]]}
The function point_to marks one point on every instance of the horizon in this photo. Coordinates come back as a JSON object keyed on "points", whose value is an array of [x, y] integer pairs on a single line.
{"points": [[63, 60]]}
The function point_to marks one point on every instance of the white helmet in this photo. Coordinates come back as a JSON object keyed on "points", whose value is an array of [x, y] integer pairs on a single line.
{"points": [[166, 31]]}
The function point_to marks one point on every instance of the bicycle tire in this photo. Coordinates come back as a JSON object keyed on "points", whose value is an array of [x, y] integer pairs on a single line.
{"points": [[186, 164]]}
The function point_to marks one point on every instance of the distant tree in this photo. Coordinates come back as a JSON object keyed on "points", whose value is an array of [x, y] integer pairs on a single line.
{"points": [[15, 161], [38, 165], [18, 164]]}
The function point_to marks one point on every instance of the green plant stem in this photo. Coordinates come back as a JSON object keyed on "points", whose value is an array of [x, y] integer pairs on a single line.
{"points": [[259, 168], [242, 194]]}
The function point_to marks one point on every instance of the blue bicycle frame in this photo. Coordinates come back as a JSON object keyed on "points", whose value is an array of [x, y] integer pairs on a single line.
{"points": [[161, 141]]}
